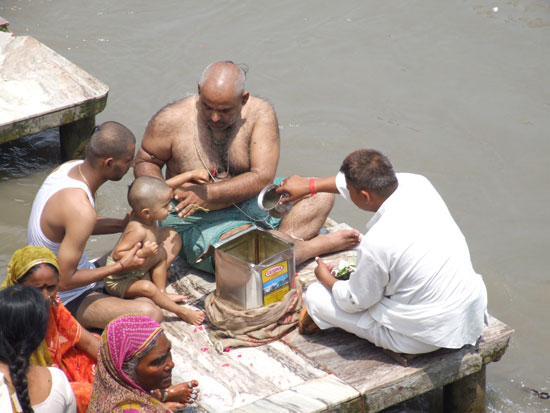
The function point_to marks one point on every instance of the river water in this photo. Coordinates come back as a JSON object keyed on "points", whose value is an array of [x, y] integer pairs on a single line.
{"points": [[456, 91]]}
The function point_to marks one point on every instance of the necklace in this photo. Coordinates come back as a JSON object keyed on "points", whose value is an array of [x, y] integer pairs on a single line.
{"points": [[213, 175], [82, 175], [224, 158]]}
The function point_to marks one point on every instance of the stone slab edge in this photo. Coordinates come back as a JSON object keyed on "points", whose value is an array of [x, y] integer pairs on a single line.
{"points": [[317, 395]]}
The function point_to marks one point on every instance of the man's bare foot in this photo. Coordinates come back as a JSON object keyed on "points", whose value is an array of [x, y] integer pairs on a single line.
{"points": [[341, 240], [192, 316], [306, 325]]}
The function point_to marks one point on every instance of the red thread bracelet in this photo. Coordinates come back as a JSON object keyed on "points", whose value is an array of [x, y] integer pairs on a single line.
{"points": [[121, 265], [312, 186]]}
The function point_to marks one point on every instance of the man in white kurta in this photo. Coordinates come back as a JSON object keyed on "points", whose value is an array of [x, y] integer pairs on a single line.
{"points": [[414, 289]]}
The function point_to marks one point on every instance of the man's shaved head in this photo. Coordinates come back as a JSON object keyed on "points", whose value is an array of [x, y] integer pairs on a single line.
{"points": [[110, 140], [222, 76], [146, 192]]}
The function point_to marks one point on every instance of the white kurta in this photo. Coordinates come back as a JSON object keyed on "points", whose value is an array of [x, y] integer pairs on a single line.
{"points": [[414, 279]]}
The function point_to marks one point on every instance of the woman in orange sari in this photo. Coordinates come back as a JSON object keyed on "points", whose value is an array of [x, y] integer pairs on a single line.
{"points": [[67, 345]]}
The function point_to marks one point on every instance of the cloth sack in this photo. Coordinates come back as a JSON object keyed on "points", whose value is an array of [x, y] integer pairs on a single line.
{"points": [[253, 327]]}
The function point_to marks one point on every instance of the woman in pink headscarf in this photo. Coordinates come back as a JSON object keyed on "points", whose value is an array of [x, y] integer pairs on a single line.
{"points": [[134, 370]]}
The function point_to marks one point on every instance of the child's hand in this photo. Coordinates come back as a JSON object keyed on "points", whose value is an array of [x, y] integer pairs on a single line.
{"points": [[149, 248], [130, 259], [200, 176]]}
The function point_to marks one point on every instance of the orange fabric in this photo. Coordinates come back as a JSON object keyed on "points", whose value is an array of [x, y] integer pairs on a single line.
{"points": [[61, 338], [82, 393]]}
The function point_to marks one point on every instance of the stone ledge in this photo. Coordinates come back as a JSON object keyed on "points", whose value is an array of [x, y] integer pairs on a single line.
{"points": [[40, 89]]}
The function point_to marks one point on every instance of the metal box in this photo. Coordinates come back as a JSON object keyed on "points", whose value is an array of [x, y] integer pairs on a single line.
{"points": [[253, 268]]}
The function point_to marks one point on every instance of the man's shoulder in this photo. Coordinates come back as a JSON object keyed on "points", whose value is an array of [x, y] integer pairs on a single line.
{"points": [[410, 176], [72, 200], [259, 109], [171, 118], [67, 211], [258, 103], [175, 110], [410, 180], [73, 193]]}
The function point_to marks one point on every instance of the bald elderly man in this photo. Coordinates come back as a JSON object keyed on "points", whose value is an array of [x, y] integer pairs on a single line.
{"points": [[235, 137]]}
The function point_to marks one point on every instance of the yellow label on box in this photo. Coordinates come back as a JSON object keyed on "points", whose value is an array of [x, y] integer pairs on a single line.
{"points": [[270, 273], [276, 282], [276, 295]]}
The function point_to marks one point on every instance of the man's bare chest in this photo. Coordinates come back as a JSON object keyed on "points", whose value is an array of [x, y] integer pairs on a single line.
{"points": [[197, 149]]}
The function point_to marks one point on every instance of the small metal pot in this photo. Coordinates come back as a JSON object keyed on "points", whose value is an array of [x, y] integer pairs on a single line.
{"points": [[268, 200]]}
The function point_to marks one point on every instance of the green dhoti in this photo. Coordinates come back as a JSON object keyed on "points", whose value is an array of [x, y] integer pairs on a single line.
{"points": [[202, 229]]}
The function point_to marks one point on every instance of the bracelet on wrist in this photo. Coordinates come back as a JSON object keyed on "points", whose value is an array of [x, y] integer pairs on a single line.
{"points": [[121, 265], [312, 190]]}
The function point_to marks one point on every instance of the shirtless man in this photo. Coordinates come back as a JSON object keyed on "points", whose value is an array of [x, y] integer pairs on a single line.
{"points": [[235, 137], [63, 218]]}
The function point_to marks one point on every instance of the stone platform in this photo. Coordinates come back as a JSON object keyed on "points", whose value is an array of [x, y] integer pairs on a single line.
{"points": [[329, 372], [40, 89]]}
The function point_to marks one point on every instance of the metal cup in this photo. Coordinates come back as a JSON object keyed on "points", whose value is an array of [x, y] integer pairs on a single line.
{"points": [[268, 200]]}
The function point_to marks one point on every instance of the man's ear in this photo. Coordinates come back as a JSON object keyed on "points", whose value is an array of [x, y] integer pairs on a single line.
{"points": [[199, 88], [366, 195], [244, 98], [108, 162]]}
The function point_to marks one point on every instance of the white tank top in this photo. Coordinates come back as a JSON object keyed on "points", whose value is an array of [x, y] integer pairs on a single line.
{"points": [[61, 398], [55, 182]]}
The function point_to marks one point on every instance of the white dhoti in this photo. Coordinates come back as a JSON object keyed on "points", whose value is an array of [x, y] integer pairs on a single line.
{"points": [[323, 309]]}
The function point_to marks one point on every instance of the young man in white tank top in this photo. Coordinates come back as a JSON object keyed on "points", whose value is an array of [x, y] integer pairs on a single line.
{"points": [[63, 218]]}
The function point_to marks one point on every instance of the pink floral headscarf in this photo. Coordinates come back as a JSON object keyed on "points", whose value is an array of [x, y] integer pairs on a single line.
{"points": [[124, 339]]}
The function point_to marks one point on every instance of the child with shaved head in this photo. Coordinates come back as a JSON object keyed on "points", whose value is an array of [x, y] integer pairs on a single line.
{"points": [[150, 200]]}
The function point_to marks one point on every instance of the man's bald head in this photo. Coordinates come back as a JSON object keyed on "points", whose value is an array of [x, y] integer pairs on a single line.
{"points": [[110, 140], [223, 76]]}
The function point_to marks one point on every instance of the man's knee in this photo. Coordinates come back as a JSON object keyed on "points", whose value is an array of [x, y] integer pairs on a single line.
{"points": [[313, 296], [149, 309], [324, 200], [162, 255]]}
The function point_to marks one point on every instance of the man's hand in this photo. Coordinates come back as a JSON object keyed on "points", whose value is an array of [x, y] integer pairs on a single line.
{"points": [[323, 272], [149, 249], [130, 260], [126, 219], [297, 187], [193, 197]]}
